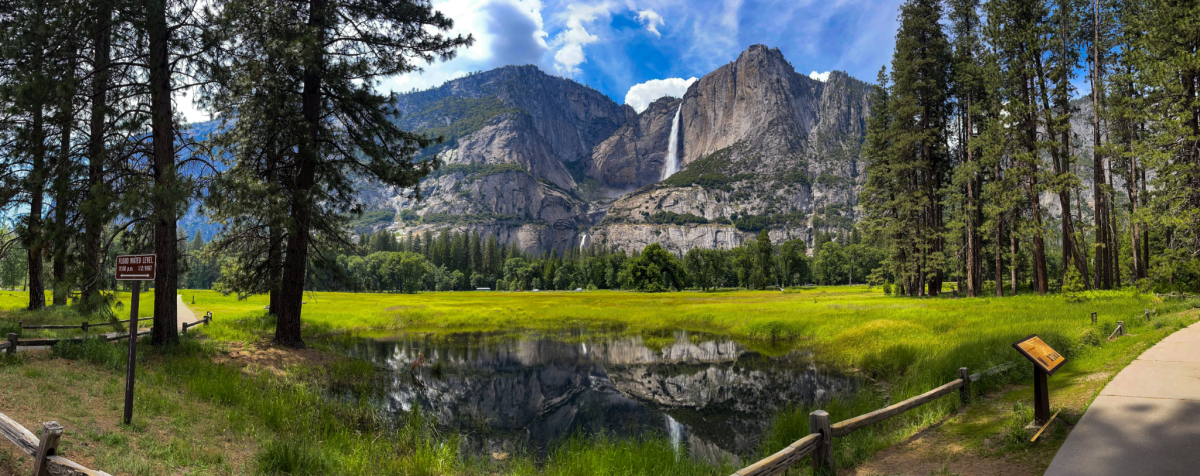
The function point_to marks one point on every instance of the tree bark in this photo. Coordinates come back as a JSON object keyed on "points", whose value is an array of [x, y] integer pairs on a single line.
{"points": [[62, 190], [287, 327], [166, 282], [974, 267], [36, 239], [1012, 264], [1103, 251], [94, 209]]}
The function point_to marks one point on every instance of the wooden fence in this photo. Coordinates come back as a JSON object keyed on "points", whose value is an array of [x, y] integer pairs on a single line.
{"points": [[85, 326], [44, 450], [819, 444], [11, 345]]}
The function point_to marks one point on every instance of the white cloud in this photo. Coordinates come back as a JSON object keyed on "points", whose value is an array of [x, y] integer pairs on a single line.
{"points": [[641, 95], [822, 77], [506, 32], [651, 20], [574, 36]]}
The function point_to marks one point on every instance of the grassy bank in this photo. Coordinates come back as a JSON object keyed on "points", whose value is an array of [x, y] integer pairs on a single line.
{"points": [[252, 409]]}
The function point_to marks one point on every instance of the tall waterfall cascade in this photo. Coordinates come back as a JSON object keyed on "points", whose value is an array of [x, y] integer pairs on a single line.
{"points": [[672, 163], [582, 241]]}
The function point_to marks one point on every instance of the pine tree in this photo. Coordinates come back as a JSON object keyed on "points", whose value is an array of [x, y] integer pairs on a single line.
{"points": [[1169, 70], [332, 122], [970, 93], [913, 167]]}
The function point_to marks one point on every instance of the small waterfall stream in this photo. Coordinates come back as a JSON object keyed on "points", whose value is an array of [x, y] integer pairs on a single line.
{"points": [[672, 163], [582, 241]]}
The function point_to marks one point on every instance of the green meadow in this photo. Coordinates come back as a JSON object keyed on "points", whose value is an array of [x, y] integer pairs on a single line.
{"points": [[288, 423]]}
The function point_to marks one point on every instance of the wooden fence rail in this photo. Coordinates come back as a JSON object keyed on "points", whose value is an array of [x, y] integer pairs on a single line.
{"points": [[83, 327], [820, 443], [207, 319], [13, 343], [44, 450]]}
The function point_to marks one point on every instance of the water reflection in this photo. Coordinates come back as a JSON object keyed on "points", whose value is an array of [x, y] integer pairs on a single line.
{"points": [[711, 398]]}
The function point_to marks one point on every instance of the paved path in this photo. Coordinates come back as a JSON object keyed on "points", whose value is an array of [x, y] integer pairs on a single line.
{"points": [[1146, 421], [183, 314]]}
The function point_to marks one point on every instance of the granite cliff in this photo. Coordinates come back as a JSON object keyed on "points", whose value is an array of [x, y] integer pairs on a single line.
{"points": [[544, 161]]}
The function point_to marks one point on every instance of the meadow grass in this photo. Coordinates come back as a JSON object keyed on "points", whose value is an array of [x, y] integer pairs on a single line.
{"points": [[260, 422]]}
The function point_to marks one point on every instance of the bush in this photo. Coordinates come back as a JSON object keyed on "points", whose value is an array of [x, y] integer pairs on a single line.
{"points": [[672, 218], [887, 289], [1072, 286]]}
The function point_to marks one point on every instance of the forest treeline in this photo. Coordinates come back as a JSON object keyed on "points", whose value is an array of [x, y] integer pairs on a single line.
{"points": [[454, 261], [1048, 142]]}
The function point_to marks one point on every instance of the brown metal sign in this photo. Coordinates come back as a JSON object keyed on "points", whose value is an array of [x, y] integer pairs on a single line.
{"points": [[136, 267], [1037, 351]]}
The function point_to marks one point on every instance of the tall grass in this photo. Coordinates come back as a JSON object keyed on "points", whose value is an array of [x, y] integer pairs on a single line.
{"points": [[898, 346]]}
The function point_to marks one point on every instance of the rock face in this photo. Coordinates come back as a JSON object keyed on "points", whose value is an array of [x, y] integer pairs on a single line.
{"points": [[635, 154], [543, 160]]}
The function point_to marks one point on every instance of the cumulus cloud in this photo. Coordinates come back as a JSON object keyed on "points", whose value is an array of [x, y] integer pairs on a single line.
{"points": [[641, 95], [651, 20], [506, 32], [822, 77], [574, 36]]}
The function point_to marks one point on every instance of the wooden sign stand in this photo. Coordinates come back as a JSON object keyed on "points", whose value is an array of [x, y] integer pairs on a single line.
{"points": [[1046, 361], [134, 268]]}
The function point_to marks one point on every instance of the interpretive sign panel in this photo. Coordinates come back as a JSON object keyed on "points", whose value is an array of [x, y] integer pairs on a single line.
{"points": [[136, 267], [1037, 351]]}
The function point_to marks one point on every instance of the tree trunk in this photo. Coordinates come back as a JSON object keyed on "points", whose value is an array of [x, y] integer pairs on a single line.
{"points": [[62, 190], [96, 204], [1012, 264], [1035, 206], [1059, 157], [287, 327], [36, 239], [1103, 251], [974, 267], [166, 282]]}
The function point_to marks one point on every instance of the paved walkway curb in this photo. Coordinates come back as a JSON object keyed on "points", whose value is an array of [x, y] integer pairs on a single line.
{"points": [[1146, 421]]}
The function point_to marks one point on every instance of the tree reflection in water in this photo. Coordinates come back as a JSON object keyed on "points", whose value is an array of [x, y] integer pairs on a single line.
{"points": [[710, 397]]}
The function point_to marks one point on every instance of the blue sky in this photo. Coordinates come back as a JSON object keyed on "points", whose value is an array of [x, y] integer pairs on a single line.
{"points": [[615, 45], [653, 47]]}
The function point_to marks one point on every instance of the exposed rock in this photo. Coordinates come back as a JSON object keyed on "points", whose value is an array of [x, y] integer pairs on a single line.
{"points": [[570, 117], [634, 156], [756, 138]]}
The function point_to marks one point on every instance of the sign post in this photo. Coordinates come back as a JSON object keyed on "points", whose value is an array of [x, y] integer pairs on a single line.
{"points": [[1046, 361], [136, 268]]}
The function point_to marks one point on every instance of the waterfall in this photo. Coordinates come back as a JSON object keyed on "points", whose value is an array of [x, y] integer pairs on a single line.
{"points": [[675, 435], [672, 163], [582, 241]]}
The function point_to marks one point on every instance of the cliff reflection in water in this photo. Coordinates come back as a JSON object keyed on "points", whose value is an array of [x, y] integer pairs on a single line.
{"points": [[711, 398]]}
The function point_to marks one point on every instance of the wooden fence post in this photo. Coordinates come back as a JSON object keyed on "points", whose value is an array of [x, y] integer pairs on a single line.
{"points": [[822, 456], [51, 432], [1093, 318], [964, 392], [1121, 327], [12, 343], [85, 326]]}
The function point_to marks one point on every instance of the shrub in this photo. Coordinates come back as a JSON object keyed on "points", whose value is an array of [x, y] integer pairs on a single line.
{"points": [[293, 458]]}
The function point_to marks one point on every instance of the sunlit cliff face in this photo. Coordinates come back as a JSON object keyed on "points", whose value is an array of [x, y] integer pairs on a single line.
{"points": [[712, 398]]}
